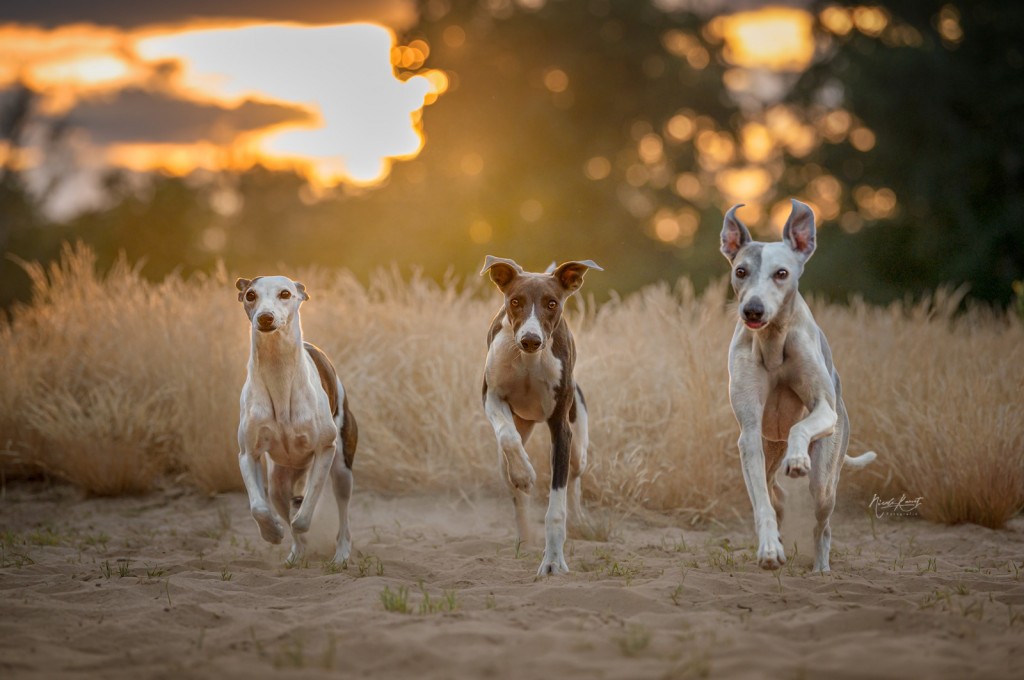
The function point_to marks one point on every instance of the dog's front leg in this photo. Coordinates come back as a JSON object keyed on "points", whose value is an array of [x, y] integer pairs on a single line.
{"points": [[554, 520], [516, 467], [315, 481], [770, 554], [748, 392], [820, 422], [252, 475]]}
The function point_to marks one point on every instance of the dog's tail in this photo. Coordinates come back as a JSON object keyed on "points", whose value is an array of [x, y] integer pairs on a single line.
{"points": [[861, 460]]}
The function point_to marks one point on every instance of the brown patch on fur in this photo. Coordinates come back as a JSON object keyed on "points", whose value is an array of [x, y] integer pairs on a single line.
{"points": [[328, 376], [349, 434]]}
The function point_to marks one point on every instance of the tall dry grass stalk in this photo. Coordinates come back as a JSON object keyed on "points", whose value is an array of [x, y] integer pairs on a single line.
{"points": [[109, 380]]}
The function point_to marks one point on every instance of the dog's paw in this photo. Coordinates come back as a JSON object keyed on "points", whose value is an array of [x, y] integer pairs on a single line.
{"points": [[270, 529], [796, 466], [296, 554], [301, 523], [343, 552], [520, 473], [770, 554], [553, 566]]}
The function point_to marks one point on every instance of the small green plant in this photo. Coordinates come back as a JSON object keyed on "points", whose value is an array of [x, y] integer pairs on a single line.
{"points": [[124, 567], [674, 595], [368, 563], [395, 600], [100, 539], [224, 518], [636, 639], [154, 572], [44, 536], [447, 602], [10, 558], [225, 575], [332, 567], [105, 569]]}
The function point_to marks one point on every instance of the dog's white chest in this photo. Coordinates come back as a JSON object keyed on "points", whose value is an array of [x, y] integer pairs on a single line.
{"points": [[528, 383], [289, 423]]}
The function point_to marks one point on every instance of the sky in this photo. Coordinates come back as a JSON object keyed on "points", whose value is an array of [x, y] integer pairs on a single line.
{"points": [[207, 85], [322, 87]]}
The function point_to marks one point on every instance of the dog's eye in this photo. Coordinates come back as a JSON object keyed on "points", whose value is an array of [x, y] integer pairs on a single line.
{"points": [[514, 302], [741, 273], [781, 274], [285, 295], [251, 296], [552, 304]]}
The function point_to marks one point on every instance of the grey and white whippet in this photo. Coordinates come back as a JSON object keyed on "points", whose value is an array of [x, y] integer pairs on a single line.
{"points": [[784, 388], [528, 379], [295, 410]]}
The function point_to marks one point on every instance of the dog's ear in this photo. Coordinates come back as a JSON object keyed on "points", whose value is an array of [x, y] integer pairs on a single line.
{"points": [[502, 271], [241, 285], [799, 232], [735, 234], [303, 295], [570, 274]]}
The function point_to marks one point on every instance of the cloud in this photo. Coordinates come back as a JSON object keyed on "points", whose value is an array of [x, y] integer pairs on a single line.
{"points": [[139, 116], [398, 14]]}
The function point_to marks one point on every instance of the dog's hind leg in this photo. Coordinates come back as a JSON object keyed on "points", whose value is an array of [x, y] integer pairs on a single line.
{"points": [[282, 484], [826, 463], [520, 497], [578, 458], [342, 481], [773, 453]]}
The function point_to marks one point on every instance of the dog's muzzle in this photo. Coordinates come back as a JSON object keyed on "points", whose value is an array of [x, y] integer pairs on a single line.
{"points": [[530, 343], [265, 323], [753, 314]]}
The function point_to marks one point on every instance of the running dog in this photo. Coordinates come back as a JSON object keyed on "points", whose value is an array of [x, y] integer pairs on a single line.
{"points": [[528, 379], [294, 410], [784, 388]]}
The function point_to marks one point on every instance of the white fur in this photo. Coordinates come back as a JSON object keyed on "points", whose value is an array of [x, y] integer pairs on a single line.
{"points": [[782, 384], [286, 415]]}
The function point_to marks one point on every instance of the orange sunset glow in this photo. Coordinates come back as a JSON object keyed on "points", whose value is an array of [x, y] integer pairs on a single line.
{"points": [[324, 100], [341, 103]]}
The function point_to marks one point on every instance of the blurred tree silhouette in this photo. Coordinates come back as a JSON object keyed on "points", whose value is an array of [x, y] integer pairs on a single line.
{"points": [[555, 141], [948, 113]]}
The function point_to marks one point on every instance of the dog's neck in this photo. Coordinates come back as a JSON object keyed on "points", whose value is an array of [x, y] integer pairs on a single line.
{"points": [[276, 359], [769, 343]]}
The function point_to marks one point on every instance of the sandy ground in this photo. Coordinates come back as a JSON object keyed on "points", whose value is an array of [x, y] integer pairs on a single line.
{"points": [[179, 585]]}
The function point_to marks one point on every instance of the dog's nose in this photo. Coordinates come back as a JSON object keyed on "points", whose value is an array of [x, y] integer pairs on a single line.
{"points": [[753, 311], [265, 320], [530, 342]]}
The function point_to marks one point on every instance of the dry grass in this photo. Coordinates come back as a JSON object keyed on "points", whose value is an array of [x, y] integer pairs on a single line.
{"points": [[116, 374]]}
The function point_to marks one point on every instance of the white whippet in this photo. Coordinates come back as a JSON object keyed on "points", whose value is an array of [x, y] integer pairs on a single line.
{"points": [[528, 379], [294, 410], [784, 388]]}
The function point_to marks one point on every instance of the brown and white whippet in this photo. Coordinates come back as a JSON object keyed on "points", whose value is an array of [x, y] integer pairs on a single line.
{"points": [[784, 388], [528, 379], [295, 410]]}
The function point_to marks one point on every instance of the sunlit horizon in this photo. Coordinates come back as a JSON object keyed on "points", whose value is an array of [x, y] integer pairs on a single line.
{"points": [[346, 114]]}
